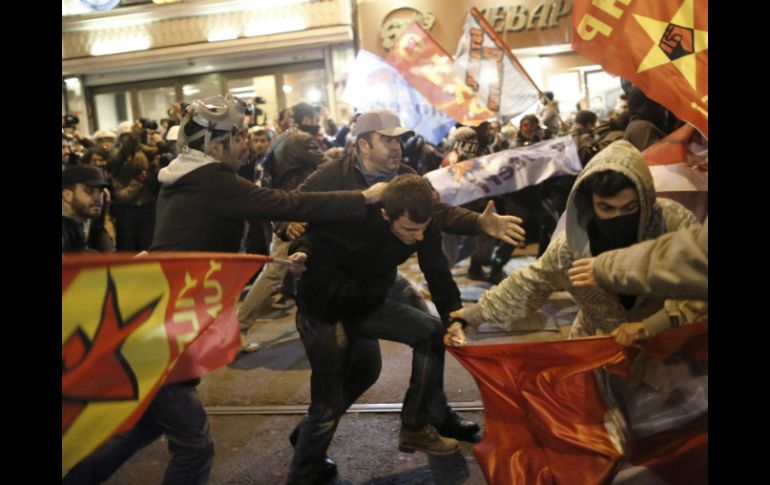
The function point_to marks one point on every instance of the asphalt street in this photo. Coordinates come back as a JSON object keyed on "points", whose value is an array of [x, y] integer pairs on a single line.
{"points": [[255, 402]]}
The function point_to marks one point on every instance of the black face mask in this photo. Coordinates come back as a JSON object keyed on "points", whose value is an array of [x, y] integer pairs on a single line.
{"points": [[312, 129], [618, 232]]}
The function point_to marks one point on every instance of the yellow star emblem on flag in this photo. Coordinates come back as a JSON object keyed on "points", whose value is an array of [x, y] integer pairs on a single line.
{"points": [[675, 41]]}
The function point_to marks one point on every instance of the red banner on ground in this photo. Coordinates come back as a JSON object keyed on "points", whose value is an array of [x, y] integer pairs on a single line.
{"points": [[660, 46], [131, 324], [548, 421]]}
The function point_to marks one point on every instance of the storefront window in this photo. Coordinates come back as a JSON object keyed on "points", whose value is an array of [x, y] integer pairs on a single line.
{"points": [[202, 89], [308, 86], [76, 103], [111, 109], [154, 103], [603, 92], [343, 58], [251, 87], [566, 90]]}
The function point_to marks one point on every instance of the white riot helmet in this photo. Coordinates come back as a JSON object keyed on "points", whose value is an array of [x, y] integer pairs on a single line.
{"points": [[214, 114]]}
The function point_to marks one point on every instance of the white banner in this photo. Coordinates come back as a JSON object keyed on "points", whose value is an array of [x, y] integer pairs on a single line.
{"points": [[506, 171], [484, 65], [679, 177], [375, 84]]}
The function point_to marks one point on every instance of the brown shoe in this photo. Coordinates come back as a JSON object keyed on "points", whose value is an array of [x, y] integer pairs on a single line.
{"points": [[426, 439]]}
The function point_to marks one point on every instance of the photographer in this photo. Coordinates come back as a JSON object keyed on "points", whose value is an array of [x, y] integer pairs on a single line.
{"points": [[135, 176], [253, 112], [69, 125]]}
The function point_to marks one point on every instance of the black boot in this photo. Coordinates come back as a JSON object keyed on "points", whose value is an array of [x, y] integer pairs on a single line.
{"points": [[329, 468], [476, 272], [496, 275], [460, 429]]}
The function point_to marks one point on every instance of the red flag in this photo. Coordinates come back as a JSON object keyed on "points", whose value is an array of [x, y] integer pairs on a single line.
{"points": [[660, 45], [429, 69], [679, 167], [131, 324], [546, 415]]}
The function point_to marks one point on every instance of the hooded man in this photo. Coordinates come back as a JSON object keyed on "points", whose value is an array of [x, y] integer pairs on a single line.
{"points": [[612, 205]]}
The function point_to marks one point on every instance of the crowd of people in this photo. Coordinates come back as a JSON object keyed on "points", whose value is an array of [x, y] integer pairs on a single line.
{"points": [[347, 204]]}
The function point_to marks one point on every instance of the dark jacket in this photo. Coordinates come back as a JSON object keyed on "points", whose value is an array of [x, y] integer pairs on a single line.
{"points": [[73, 239], [293, 156], [642, 133], [204, 209], [352, 266], [346, 280]]}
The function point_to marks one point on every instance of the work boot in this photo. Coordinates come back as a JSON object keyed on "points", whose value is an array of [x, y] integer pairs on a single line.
{"points": [[426, 439], [460, 429], [328, 469]]}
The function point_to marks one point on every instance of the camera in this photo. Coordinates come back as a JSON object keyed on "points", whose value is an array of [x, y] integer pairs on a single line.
{"points": [[148, 124], [253, 110], [71, 121]]}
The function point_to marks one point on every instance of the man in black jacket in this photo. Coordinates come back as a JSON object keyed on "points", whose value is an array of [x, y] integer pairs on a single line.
{"points": [[344, 309], [201, 207], [83, 208], [344, 306]]}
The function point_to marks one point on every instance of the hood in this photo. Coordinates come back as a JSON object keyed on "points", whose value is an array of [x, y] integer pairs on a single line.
{"points": [[620, 156], [184, 163]]}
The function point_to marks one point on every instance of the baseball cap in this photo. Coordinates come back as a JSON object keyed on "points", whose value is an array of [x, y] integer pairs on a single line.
{"points": [[83, 174], [383, 121]]}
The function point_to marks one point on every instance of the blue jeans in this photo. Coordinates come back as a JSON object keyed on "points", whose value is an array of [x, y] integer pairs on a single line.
{"points": [[177, 412], [345, 361]]}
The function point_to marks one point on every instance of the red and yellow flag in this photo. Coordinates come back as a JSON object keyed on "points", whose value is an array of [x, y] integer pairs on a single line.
{"points": [[546, 416], [659, 45], [430, 70], [130, 324]]}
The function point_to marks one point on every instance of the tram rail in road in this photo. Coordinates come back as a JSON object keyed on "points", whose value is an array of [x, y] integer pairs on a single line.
{"points": [[302, 408]]}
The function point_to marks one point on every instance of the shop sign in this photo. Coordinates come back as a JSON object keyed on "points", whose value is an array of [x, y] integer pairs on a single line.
{"points": [[517, 18], [396, 21]]}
